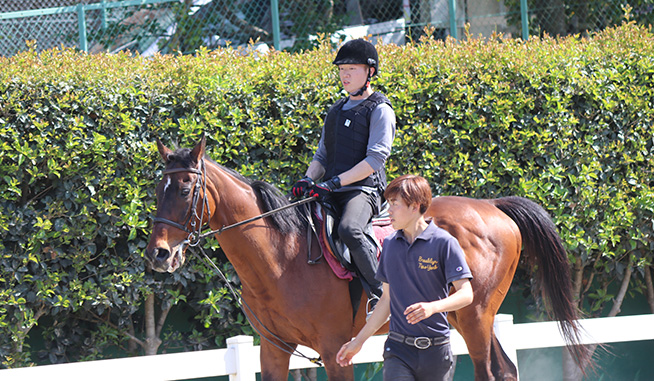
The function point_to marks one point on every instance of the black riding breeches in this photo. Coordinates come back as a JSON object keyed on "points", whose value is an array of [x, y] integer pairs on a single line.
{"points": [[357, 209]]}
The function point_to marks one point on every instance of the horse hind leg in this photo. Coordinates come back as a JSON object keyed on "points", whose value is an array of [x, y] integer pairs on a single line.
{"points": [[502, 367], [476, 334], [489, 359]]}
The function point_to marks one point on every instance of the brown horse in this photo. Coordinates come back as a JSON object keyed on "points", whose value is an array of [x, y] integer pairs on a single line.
{"points": [[291, 302]]}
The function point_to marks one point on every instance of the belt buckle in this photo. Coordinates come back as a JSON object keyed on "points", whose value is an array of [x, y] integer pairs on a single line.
{"points": [[422, 342]]}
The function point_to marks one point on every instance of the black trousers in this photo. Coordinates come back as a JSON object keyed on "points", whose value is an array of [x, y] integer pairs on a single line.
{"points": [[403, 362], [357, 208]]}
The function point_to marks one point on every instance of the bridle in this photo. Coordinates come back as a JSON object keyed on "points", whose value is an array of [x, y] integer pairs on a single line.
{"points": [[195, 235], [195, 232]]}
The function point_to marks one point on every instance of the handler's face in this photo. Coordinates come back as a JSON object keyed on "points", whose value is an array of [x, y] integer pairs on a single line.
{"points": [[402, 215]]}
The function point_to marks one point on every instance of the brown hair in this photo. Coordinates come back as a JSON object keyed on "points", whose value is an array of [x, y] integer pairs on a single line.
{"points": [[412, 189]]}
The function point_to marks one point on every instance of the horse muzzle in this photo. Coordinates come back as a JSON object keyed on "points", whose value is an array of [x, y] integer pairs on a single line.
{"points": [[164, 260]]}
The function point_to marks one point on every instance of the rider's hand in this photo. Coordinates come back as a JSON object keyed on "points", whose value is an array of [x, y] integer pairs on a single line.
{"points": [[302, 186], [326, 187]]}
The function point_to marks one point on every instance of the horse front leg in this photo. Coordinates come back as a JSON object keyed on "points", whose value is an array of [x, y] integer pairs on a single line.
{"points": [[329, 347], [274, 361]]}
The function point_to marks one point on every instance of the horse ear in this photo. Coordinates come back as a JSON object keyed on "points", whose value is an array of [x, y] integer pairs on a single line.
{"points": [[163, 150], [198, 151]]}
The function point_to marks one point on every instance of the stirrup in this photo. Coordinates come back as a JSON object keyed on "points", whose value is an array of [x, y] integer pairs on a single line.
{"points": [[370, 306]]}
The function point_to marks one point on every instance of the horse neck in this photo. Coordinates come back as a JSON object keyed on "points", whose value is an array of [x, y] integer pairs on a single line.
{"points": [[252, 248]]}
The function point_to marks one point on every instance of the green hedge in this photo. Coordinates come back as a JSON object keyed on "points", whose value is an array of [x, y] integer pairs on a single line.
{"points": [[566, 123]]}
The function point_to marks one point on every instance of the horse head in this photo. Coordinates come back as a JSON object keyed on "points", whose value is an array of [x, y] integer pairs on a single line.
{"points": [[182, 207]]}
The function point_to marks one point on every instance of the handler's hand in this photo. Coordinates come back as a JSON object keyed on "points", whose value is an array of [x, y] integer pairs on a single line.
{"points": [[347, 352], [415, 313]]}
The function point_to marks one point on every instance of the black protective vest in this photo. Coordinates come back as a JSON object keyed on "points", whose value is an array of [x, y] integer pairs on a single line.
{"points": [[346, 138]]}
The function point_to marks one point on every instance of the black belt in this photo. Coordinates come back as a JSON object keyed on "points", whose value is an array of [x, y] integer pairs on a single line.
{"points": [[418, 342]]}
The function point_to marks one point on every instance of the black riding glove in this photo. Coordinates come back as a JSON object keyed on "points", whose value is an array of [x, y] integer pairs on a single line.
{"points": [[326, 187], [302, 186]]}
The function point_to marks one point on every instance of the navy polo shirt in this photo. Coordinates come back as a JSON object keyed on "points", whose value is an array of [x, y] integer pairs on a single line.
{"points": [[421, 272]]}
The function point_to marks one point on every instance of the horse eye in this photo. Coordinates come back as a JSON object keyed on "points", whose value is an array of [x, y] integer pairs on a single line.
{"points": [[185, 191]]}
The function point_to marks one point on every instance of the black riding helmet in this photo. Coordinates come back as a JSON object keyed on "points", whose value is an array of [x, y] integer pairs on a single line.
{"points": [[358, 51]]}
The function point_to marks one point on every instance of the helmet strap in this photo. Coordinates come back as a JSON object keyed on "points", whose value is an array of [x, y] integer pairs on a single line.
{"points": [[365, 86]]}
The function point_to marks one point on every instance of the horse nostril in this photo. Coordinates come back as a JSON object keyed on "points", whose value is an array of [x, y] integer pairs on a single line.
{"points": [[162, 254]]}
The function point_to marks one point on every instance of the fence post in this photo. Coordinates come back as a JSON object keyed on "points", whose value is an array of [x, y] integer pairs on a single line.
{"points": [[452, 9], [406, 10], [524, 18], [103, 14], [243, 347], [503, 327], [81, 23], [274, 14]]}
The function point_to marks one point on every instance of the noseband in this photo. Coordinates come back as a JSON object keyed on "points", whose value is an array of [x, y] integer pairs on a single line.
{"points": [[194, 233]]}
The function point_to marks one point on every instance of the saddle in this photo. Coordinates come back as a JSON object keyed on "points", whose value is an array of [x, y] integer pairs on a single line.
{"points": [[335, 252]]}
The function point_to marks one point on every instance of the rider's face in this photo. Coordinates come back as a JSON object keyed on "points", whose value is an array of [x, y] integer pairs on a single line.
{"points": [[353, 76]]}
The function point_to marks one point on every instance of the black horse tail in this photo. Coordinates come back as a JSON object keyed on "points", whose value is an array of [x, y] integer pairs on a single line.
{"points": [[542, 246]]}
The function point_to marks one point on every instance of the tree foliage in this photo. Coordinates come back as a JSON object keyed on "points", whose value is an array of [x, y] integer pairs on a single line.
{"points": [[570, 17], [566, 123]]}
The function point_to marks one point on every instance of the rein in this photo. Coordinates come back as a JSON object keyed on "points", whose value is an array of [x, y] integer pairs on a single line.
{"points": [[195, 235], [289, 348], [294, 204]]}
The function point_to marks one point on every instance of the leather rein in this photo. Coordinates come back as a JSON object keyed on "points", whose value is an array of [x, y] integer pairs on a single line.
{"points": [[195, 232], [195, 235]]}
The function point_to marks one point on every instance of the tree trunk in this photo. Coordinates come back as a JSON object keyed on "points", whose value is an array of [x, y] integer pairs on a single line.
{"points": [[551, 17], [152, 340], [650, 288], [577, 280], [25, 329], [132, 345], [571, 372], [354, 12], [581, 23], [327, 10], [424, 8]]}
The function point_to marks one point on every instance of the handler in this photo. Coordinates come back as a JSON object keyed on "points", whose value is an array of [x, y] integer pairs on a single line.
{"points": [[418, 264], [356, 140]]}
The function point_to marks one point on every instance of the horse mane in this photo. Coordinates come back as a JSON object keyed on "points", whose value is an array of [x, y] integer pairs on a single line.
{"points": [[287, 221]]}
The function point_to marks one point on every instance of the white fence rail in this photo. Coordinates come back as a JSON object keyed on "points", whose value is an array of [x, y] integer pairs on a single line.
{"points": [[240, 360]]}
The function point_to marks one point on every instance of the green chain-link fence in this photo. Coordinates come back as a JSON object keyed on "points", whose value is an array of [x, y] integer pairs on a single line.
{"points": [[168, 26]]}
